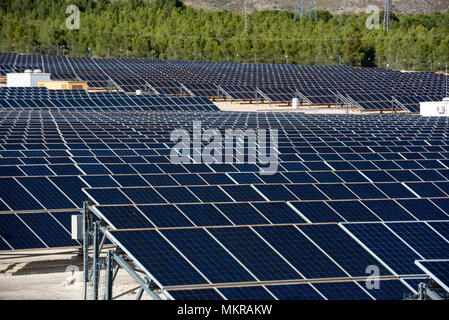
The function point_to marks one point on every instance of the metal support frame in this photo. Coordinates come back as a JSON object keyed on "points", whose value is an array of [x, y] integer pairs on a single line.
{"points": [[109, 275], [426, 293], [95, 262], [303, 98], [395, 103], [115, 260], [227, 95], [85, 213], [186, 91], [353, 103], [145, 284], [264, 96], [151, 88]]}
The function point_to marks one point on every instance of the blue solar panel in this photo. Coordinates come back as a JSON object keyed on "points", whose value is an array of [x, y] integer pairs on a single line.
{"points": [[15, 196], [142, 195], [165, 216], [317, 211], [366, 191], [342, 291], [16, 234], [199, 294], [300, 252], [395, 190], [246, 293], [176, 195], [278, 212], [48, 229], [387, 246], [157, 256], [210, 194], [108, 196], [253, 252], [160, 180], [242, 213], [336, 191], [276, 193], [388, 210], [390, 290], [204, 215], [71, 186], [124, 217], [207, 255], [100, 181], [131, 181], [442, 228], [245, 178], [342, 248], [423, 209], [306, 192], [353, 211], [243, 193], [37, 170], [295, 292], [426, 190], [423, 239]]}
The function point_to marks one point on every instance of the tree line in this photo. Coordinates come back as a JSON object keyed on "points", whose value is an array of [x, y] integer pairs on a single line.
{"points": [[168, 29]]}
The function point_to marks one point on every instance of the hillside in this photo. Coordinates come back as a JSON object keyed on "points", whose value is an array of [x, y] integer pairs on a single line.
{"points": [[334, 6], [168, 30]]}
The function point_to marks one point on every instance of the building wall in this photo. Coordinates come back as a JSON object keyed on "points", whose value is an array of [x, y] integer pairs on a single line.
{"points": [[64, 85], [26, 79], [434, 109]]}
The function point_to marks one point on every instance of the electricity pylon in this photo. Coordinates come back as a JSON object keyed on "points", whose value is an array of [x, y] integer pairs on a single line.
{"points": [[387, 15]]}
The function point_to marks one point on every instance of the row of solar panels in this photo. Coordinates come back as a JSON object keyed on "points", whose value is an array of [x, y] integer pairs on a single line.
{"points": [[114, 103], [202, 73], [222, 188], [241, 256], [56, 234], [195, 207]]}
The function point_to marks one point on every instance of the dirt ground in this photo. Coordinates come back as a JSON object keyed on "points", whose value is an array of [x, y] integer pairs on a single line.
{"points": [[40, 275], [252, 107]]}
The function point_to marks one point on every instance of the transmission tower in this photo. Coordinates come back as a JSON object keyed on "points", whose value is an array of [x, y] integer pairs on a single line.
{"points": [[387, 15], [245, 12], [310, 10]]}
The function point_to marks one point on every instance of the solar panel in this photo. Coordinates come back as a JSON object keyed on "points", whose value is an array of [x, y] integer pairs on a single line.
{"points": [[242, 213], [246, 293], [387, 246], [253, 252], [295, 292], [300, 252], [199, 294], [158, 257], [423, 239], [342, 291], [339, 168], [207, 255], [345, 251]]}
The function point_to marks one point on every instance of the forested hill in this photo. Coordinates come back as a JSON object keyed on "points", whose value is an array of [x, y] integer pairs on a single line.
{"points": [[168, 29], [333, 6]]}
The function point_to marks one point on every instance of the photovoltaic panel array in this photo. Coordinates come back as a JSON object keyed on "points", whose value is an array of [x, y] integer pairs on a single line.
{"points": [[350, 191], [364, 88]]}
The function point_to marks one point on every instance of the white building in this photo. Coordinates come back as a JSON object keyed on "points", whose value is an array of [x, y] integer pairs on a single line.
{"points": [[26, 79], [435, 109]]}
